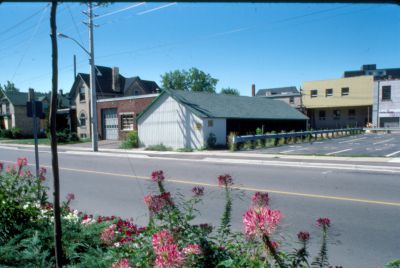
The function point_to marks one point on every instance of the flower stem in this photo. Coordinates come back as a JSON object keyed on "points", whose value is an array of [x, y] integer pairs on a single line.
{"points": [[273, 251]]}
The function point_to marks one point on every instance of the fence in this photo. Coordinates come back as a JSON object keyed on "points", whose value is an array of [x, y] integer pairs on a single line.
{"points": [[282, 138]]}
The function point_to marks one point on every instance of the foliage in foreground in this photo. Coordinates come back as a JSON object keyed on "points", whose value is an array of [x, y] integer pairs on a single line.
{"points": [[169, 240]]}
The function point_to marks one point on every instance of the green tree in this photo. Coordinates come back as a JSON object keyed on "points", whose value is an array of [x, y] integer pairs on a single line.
{"points": [[230, 91], [9, 87], [192, 80], [176, 80]]}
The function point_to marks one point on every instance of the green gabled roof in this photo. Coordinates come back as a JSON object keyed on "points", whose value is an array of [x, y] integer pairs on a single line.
{"points": [[211, 105], [17, 98]]}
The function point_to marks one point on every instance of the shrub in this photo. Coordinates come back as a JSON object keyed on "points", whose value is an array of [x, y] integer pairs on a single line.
{"points": [[131, 141], [232, 146], [211, 141], [158, 147], [74, 137], [185, 149], [16, 133]]}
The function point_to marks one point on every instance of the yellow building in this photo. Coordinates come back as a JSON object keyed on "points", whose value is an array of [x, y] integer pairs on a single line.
{"points": [[337, 103]]}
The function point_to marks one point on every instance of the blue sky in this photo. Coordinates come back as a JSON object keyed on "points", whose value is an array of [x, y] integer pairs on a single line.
{"points": [[271, 45]]}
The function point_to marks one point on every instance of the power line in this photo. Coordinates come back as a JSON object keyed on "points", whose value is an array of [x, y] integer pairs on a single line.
{"points": [[76, 26], [29, 42], [23, 20], [157, 8], [119, 10]]}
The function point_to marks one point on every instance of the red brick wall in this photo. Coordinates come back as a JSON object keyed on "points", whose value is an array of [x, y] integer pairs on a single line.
{"points": [[123, 106]]}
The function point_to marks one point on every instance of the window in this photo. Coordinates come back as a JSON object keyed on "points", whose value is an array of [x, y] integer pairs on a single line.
{"points": [[322, 115], [314, 93], [210, 123], [83, 136], [328, 92], [291, 100], [345, 91], [336, 114], [352, 113], [127, 121], [82, 94], [386, 93], [82, 120]]}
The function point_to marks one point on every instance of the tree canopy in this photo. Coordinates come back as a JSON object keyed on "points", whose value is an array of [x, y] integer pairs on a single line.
{"points": [[8, 87], [230, 91], [191, 80]]}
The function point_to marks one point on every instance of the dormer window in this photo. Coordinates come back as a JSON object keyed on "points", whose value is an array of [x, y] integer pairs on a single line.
{"points": [[82, 92]]}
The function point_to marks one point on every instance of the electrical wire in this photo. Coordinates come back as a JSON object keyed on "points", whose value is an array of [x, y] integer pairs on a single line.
{"points": [[74, 23], [119, 10], [157, 8], [29, 42], [23, 21]]}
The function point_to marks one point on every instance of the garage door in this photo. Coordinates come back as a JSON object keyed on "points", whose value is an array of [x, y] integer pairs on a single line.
{"points": [[110, 124]]}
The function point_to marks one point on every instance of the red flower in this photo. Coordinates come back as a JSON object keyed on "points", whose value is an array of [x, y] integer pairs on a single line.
{"points": [[323, 222], [157, 176], [161, 239], [225, 180], [303, 236], [260, 199], [1, 166], [156, 203], [198, 191]]}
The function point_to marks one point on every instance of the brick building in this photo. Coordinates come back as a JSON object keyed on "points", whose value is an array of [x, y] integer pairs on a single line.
{"points": [[117, 116]]}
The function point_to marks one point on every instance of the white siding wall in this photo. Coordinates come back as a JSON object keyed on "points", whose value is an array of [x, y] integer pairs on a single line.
{"points": [[387, 108], [218, 128], [171, 124]]}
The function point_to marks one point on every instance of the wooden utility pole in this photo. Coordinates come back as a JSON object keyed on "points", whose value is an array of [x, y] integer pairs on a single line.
{"points": [[53, 135]]}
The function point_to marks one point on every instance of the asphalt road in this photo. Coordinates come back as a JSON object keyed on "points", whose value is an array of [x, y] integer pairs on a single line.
{"points": [[362, 200], [383, 145]]}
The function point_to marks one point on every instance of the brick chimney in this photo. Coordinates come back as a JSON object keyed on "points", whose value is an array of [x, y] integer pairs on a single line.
{"points": [[253, 90], [115, 79]]}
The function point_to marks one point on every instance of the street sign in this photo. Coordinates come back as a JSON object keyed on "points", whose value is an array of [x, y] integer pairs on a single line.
{"points": [[38, 108]]}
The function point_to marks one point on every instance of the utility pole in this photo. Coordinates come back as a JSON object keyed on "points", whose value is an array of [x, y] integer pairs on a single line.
{"points": [[32, 99], [93, 97]]}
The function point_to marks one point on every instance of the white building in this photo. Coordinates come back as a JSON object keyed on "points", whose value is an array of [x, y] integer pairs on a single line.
{"points": [[181, 119], [386, 105]]}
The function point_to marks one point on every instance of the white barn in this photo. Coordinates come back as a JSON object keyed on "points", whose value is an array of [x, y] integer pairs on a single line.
{"points": [[181, 119]]}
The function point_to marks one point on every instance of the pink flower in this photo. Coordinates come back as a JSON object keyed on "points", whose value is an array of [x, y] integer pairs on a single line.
{"points": [[157, 176], [303, 236], [323, 222], [260, 199], [28, 173], [261, 220], [192, 249], [42, 172], [70, 197], [161, 238], [22, 161], [198, 191], [169, 257], [167, 252], [122, 263], [108, 235], [225, 180]]}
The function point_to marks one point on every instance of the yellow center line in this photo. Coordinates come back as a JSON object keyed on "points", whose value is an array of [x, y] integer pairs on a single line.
{"points": [[251, 189]]}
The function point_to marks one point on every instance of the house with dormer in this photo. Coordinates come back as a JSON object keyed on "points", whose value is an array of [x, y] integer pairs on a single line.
{"points": [[110, 85]]}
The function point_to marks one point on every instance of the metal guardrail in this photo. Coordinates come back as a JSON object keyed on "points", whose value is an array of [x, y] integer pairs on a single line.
{"points": [[303, 134], [384, 129]]}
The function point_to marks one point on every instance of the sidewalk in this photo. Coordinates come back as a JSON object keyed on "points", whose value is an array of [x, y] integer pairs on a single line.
{"points": [[111, 147]]}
